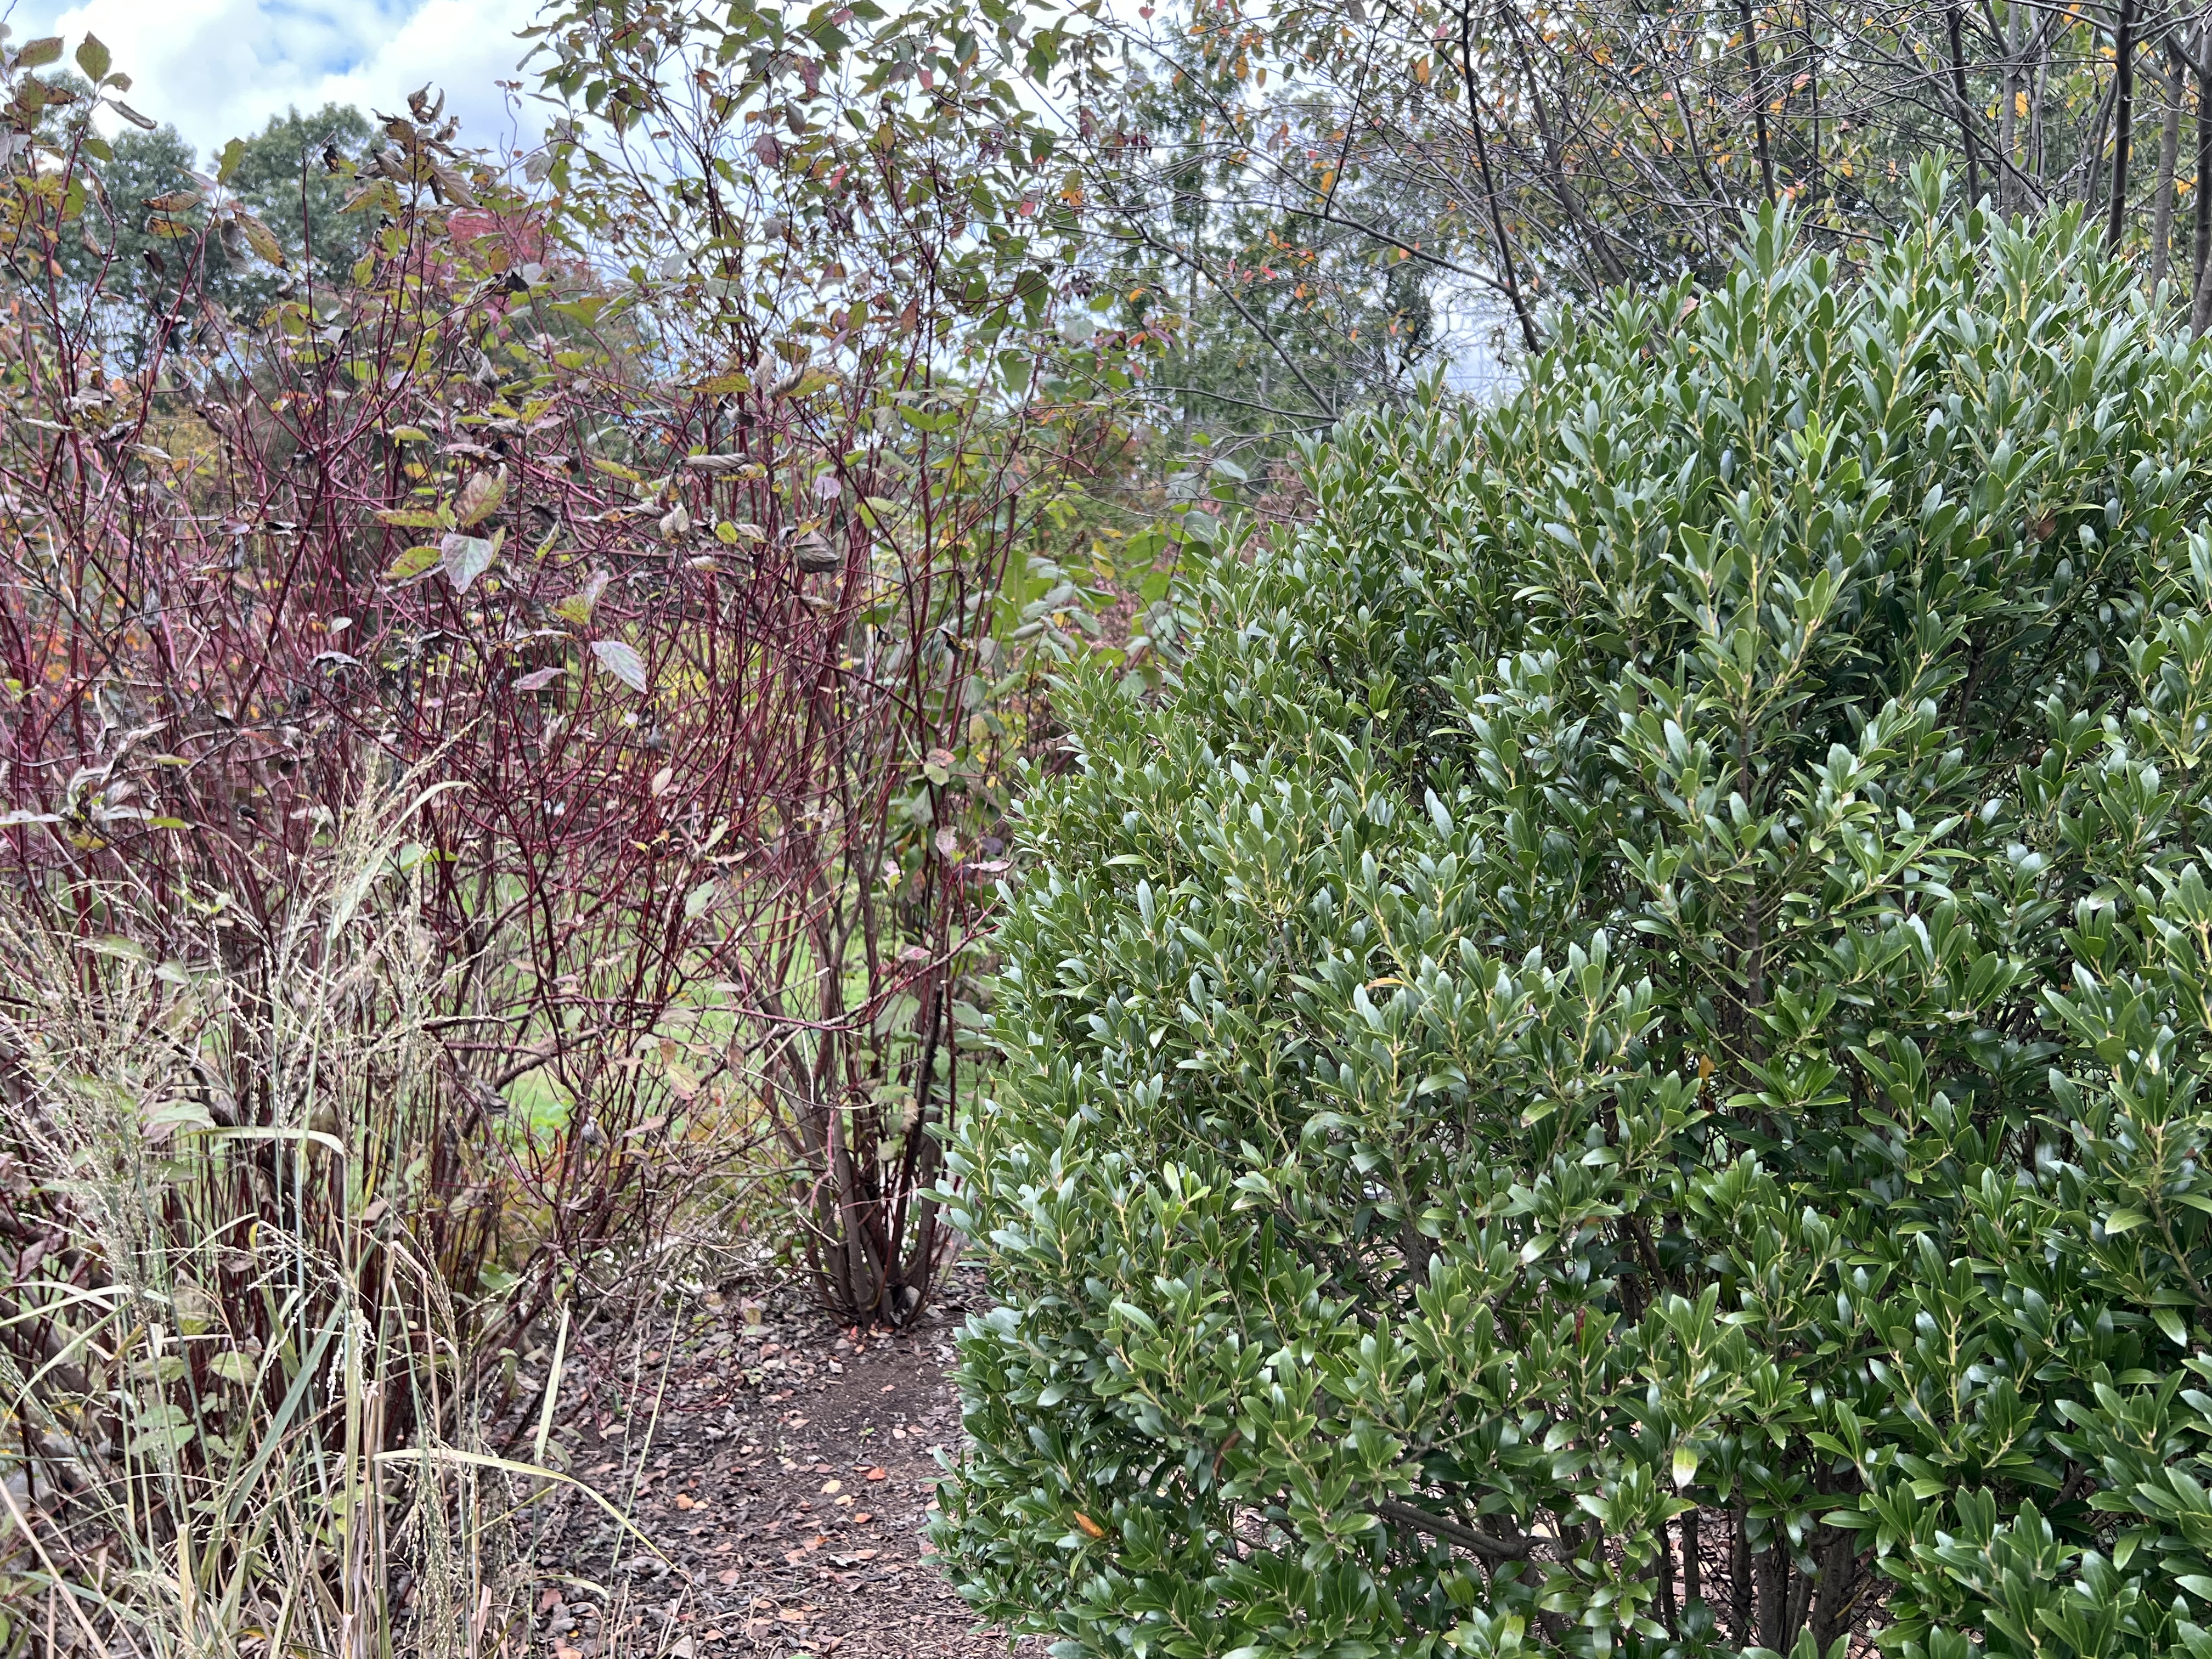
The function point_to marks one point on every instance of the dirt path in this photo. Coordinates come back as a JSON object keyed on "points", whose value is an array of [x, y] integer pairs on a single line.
{"points": [[782, 1470]]}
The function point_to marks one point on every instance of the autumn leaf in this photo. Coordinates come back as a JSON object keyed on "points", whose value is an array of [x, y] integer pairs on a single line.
{"points": [[622, 661], [577, 606], [261, 239], [480, 498], [466, 559], [413, 562]]}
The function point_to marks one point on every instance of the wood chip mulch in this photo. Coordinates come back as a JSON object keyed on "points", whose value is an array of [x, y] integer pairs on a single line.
{"points": [[780, 1469]]}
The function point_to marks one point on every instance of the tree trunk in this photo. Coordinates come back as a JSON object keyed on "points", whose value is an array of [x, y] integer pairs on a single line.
{"points": [[2035, 112], [1771, 1570], [2200, 202], [2009, 112], [1758, 99], [1966, 110], [2124, 112], [1837, 1591], [2092, 193], [1693, 1587], [2169, 146], [1602, 264], [1817, 182], [1529, 336], [1739, 1574]]}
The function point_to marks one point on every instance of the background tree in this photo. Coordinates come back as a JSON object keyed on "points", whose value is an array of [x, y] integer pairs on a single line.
{"points": [[138, 255], [1505, 161], [1269, 320]]}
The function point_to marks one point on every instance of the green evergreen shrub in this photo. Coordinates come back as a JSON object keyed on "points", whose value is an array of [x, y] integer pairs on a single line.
{"points": [[1652, 978]]}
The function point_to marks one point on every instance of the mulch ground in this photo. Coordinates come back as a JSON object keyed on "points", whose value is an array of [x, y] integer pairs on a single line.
{"points": [[777, 1472]]}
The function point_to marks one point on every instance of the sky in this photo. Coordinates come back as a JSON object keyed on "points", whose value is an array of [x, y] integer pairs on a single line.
{"points": [[219, 69]]}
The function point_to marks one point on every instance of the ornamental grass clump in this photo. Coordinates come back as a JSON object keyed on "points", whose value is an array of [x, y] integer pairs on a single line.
{"points": [[1616, 1069]]}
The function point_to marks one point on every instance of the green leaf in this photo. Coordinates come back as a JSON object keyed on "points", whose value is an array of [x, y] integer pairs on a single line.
{"points": [[1684, 1465], [37, 54]]}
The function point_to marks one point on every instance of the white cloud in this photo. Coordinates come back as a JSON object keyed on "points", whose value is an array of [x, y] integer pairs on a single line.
{"points": [[216, 68]]}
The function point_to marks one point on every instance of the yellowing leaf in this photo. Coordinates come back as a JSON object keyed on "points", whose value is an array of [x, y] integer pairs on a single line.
{"points": [[413, 562], [577, 607], [261, 239]]}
